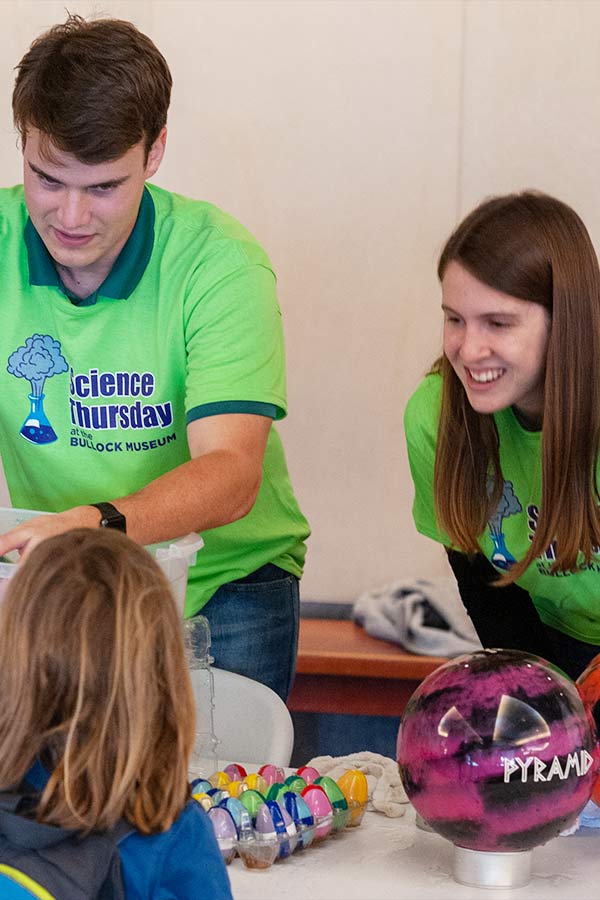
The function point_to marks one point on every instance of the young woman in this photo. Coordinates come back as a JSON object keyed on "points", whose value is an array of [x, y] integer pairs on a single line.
{"points": [[97, 715], [504, 433]]}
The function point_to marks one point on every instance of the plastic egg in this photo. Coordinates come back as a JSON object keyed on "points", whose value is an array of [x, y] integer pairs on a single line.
{"points": [[235, 771], [252, 800], [236, 788], [217, 794], [277, 790], [200, 786], [204, 800], [302, 818], [258, 851], [239, 814], [295, 783], [256, 782], [284, 828], [322, 810], [220, 780], [309, 773], [356, 791], [271, 774], [225, 831], [337, 799]]}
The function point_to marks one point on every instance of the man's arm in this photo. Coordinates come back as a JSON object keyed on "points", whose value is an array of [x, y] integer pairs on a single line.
{"points": [[217, 486]]}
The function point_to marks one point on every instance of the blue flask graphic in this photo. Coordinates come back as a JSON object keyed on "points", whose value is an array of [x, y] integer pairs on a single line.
{"points": [[36, 428]]}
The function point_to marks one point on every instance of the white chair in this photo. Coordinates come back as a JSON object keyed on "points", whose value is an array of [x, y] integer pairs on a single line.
{"points": [[251, 721]]}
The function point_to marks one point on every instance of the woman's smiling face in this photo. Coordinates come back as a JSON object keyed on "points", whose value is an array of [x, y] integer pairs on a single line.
{"points": [[495, 343]]}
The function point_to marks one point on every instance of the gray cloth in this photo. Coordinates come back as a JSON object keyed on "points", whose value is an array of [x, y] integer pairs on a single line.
{"points": [[426, 616]]}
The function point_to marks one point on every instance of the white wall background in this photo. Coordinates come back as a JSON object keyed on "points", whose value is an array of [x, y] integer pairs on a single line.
{"points": [[350, 137]]}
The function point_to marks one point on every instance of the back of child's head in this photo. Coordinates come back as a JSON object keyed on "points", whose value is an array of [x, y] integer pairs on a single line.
{"points": [[94, 683]]}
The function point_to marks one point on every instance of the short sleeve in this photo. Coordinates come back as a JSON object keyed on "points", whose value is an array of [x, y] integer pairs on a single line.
{"points": [[235, 348], [420, 427]]}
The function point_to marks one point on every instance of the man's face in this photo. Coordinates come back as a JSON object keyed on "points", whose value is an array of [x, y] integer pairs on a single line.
{"points": [[85, 213]]}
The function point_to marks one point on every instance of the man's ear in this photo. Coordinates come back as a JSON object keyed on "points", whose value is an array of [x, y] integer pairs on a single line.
{"points": [[156, 153]]}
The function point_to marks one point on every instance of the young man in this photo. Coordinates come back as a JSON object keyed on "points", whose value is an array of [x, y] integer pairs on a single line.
{"points": [[142, 347]]}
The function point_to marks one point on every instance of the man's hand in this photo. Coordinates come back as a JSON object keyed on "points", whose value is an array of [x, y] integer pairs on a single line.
{"points": [[28, 534]]}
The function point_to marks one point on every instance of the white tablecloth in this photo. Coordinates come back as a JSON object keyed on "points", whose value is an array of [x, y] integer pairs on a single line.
{"points": [[391, 859]]}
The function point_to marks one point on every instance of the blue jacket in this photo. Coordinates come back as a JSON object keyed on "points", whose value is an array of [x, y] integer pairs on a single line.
{"points": [[183, 863]]}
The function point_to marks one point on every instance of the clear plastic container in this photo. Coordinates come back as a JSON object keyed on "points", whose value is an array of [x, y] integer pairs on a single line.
{"points": [[174, 557]]}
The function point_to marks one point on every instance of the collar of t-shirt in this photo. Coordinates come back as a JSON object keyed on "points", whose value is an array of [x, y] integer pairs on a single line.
{"points": [[126, 272]]}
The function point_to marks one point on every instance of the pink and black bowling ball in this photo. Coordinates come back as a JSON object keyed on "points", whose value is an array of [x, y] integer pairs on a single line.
{"points": [[496, 751]]}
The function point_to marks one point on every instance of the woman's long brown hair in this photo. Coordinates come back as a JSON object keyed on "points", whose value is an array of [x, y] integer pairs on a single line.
{"points": [[532, 247], [94, 682]]}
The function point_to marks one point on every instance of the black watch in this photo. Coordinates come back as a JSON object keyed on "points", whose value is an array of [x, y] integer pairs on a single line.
{"points": [[111, 517]]}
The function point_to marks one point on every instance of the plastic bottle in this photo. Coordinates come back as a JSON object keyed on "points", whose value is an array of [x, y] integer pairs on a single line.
{"points": [[204, 759]]}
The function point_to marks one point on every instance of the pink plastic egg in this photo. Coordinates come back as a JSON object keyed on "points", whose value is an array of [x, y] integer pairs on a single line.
{"points": [[235, 771], [271, 774], [309, 773], [320, 806]]}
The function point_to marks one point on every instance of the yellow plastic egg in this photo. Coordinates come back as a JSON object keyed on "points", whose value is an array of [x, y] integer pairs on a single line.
{"points": [[204, 800], [256, 782], [220, 780], [356, 791], [236, 788]]}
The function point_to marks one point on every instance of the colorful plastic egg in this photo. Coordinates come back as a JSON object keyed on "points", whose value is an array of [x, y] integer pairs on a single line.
{"points": [[236, 788], [321, 809], [258, 851], [217, 794], [356, 791], [252, 800], [309, 773], [239, 814], [200, 786], [295, 783], [271, 774], [256, 782], [225, 832], [204, 800], [219, 779], [277, 790], [284, 828], [235, 771], [337, 799], [302, 818]]}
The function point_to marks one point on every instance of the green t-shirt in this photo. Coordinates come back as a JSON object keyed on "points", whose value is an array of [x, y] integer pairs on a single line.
{"points": [[96, 395], [567, 601]]}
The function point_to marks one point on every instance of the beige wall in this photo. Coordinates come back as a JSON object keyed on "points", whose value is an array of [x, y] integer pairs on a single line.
{"points": [[349, 137]]}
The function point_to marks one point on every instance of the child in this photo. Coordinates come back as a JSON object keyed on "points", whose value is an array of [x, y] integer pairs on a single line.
{"points": [[504, 433], [97, 709]]}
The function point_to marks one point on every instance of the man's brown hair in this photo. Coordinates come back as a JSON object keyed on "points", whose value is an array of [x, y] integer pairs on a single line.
{"points": [[94, 683], [535, 248], [93, 89]]}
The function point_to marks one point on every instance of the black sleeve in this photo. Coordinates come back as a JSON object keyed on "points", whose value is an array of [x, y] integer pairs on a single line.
{"points": [[503, 617]]}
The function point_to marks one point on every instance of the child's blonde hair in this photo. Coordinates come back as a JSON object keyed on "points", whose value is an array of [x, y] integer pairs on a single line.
{"points": [[94, 682]]}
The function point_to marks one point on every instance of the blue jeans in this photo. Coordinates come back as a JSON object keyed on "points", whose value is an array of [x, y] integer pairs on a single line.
{"points": [[254, 627]]}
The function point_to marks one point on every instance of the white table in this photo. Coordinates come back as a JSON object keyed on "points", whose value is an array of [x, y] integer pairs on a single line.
{"points": [[391, 859]]}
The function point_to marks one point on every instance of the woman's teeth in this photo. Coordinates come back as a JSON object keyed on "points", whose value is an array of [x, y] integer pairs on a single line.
{"points": [[487, 375]]}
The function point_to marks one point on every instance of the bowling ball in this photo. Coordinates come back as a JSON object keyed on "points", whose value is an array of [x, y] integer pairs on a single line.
{"points": [[496, 751]]}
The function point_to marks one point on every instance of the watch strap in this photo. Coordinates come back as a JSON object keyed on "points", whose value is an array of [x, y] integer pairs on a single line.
{"points": [[111, 517]]}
